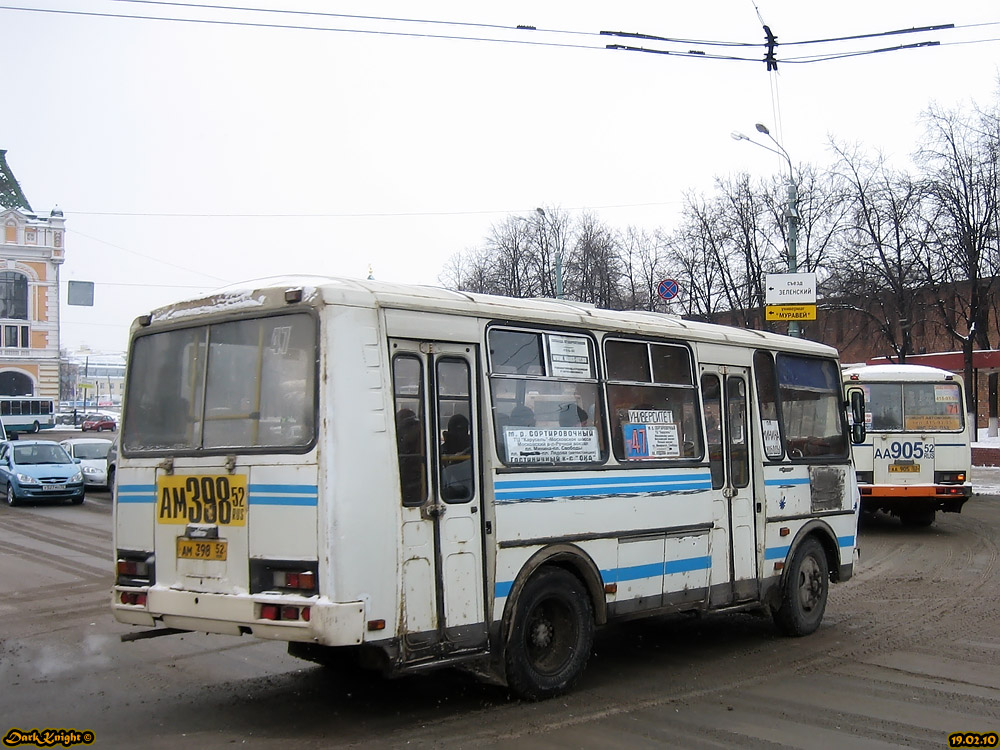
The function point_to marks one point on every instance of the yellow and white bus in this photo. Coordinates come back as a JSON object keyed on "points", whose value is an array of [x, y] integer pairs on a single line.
{"points": [[421, 477], [917, 456]]}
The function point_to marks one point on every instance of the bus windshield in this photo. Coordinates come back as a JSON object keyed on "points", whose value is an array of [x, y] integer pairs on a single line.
{"points": [[243, 384]]}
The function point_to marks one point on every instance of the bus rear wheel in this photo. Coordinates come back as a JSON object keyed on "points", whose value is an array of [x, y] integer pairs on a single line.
{"points": [[550, 637], [804, 591]]}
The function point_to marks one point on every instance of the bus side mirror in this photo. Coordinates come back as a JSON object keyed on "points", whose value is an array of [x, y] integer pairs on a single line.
{"points": [[858, 431]]}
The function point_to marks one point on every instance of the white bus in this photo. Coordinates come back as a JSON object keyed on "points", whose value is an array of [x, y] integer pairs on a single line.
{"points": [[26, 414], [917, 456], [421, 477]]}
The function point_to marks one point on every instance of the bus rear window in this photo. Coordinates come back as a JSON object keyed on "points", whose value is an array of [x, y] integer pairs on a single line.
{"points": [[240, 385]]}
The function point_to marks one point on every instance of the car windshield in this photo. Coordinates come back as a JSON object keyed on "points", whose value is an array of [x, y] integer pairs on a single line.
{"points": [[91, 450], [40, 454]]}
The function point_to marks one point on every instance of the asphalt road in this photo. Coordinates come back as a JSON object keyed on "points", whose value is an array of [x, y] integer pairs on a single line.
{"points": [[908, 653]]}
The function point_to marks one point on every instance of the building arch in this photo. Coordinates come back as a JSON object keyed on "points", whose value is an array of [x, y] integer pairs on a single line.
{"points": [[16, 383]]}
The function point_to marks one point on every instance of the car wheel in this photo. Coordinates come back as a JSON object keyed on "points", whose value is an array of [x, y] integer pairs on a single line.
{"points": [[11, 497]]}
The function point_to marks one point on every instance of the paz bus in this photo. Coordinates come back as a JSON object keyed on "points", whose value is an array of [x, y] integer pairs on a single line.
{"points": [[414, 477], [917, 456], [26, 414]]}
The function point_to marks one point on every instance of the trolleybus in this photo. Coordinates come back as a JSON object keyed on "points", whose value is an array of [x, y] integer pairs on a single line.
{"points": [[917, 455], [420, 477]]}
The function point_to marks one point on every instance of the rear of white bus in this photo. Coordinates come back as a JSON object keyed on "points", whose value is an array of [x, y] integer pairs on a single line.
{"points": [[917, 457], [217, 521]]}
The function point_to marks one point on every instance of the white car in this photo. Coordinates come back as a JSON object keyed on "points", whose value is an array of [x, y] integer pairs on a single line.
{"points": [[92, 453]]}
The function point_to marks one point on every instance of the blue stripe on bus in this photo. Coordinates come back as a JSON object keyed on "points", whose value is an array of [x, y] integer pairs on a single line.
{"points": [[260, 494], [136, 493], [284, 494], [786, 481], [633, 572], [780, 553], [595, 486]]}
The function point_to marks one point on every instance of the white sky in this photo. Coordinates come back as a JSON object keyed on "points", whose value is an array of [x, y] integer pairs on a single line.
{"points": [[187, 156]]}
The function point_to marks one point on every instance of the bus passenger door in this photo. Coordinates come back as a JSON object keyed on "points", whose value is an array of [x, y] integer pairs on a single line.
{"points": [[437, 429], [725, 392]]}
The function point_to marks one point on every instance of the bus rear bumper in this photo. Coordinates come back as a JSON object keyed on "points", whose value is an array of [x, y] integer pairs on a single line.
{"points": [[948, 498], [274, 617]]}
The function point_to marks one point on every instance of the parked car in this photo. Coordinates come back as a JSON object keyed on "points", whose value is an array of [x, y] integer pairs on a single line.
{"points": [[93, 455], [98, 423], [39, 470]]}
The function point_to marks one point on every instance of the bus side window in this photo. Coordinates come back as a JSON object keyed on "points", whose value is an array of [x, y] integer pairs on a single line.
{"points": [[711, 392], [408, 390]]}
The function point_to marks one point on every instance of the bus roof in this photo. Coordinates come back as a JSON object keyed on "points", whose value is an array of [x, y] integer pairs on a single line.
{"points": [[897, 373], [270, 293]]}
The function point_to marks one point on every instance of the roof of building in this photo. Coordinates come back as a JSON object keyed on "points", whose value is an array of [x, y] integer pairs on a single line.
{"points": [[11, 195]]}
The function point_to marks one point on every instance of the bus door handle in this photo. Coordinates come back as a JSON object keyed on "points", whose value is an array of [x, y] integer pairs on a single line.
{"points": [[433, 510], [729, 492]]}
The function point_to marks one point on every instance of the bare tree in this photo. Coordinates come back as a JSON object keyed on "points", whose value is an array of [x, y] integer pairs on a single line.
{"points": [[961, 172], [594, 271], [877, 266]]}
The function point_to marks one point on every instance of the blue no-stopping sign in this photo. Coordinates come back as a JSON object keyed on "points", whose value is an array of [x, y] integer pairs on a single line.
{"points": [[668, 289]]}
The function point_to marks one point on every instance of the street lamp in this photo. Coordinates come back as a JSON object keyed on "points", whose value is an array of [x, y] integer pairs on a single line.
{"points": [[792, 213], [559, 280]]}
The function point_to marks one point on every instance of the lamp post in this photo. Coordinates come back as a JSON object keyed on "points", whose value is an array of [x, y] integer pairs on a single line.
{"points": [[791, 213], [559, 280]]}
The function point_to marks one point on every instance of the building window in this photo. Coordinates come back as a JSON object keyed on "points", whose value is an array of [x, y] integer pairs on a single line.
{"points": [[13, 296], [10, 233]]}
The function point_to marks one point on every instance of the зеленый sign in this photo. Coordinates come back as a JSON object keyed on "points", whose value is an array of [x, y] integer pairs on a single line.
{"points": [[791, 312]]}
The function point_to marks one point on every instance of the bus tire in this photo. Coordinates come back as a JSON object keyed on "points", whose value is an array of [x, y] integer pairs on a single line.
{"points": [[36, 427], [551, 635], [917, 518], [804, 591]]}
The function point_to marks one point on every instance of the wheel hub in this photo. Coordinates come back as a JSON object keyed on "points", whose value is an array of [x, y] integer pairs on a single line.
{"points": [[541, 633]]}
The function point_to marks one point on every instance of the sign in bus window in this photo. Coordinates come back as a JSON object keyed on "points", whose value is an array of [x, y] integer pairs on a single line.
{"points": [[535, 445]]}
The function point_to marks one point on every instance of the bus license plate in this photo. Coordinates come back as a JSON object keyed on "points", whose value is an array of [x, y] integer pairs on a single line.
{"points": [[201, 549], [219, 499], [904, 468]]}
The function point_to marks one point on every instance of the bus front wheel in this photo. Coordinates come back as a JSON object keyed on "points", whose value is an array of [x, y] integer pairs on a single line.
{"points": [[550, 637], [36, 427], [804, 591]]}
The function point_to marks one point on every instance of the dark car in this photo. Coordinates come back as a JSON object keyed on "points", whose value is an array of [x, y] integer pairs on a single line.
{"points": [[98, 423], [39, 470]]}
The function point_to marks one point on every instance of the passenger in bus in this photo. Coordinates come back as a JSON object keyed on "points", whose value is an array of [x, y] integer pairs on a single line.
{"points": [[522, 416], [409, 446], [572, 415], [456, 437]]}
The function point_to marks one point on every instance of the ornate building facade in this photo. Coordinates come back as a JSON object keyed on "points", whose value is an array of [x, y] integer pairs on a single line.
{"points": [[32, 248]]}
